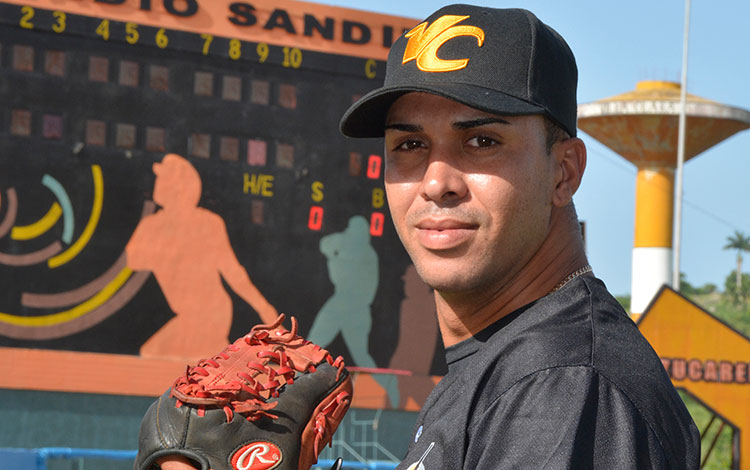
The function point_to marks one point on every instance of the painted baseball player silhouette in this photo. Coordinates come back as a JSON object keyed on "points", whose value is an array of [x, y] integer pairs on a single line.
{"points": [[353, 269], [188, 250], [417, 339]]}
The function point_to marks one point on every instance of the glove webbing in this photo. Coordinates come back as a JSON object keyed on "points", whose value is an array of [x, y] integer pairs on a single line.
{"points": [[252, 404]]}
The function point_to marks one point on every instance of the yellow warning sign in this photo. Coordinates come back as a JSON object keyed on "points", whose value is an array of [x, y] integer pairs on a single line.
{"points": [[704, 356]]}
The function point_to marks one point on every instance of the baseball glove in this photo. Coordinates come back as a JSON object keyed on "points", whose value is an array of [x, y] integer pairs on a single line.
{"points": [[270, 400]]}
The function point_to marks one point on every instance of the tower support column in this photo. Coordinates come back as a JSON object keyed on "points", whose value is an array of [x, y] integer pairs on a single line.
{"points": [[652, 242]]}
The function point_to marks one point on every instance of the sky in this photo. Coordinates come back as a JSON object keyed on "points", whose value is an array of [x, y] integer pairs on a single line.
{"points": [[617, 44]]}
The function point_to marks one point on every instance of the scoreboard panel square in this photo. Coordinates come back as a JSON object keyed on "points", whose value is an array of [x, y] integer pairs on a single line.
{"points": [[96, 132], [20, 122], [125, 135], [256, 211], [54, 63], [200, 145], [260, 92], [229, 148], [155, 139], [52, 126], [256, 152], [231, 89], [129, 72], [284, 155], [159, 78], [98, 69], [287, 96], [23, 58], [203, 84]]}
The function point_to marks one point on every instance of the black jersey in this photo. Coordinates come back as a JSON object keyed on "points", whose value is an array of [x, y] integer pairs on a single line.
{"points": [[567, 382]]}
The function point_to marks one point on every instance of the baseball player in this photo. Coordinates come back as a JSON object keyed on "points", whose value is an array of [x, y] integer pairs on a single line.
{"points": [[545, 369]]}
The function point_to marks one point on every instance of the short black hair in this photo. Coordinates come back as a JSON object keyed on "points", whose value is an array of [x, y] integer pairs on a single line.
{"points": [[554, 133]]}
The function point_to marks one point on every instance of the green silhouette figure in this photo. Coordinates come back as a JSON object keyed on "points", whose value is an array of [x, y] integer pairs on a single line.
{"points": [[353, 269]]}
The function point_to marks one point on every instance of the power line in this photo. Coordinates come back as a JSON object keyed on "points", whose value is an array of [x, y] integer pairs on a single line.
{"points": [[615, 161], [710, 214], [618, 163]]}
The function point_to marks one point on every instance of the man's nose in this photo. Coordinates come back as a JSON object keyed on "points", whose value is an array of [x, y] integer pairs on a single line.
{"points": [[443, 183]]}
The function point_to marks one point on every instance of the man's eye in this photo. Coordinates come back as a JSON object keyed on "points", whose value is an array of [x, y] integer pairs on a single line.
{"points": [[410, 145], [482, 141]]}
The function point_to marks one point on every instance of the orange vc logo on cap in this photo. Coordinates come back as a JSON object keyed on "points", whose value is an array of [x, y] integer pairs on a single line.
{"points": [[425, 41]]}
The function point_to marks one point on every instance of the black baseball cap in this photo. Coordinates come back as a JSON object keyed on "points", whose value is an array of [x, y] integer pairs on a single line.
{"points": [[502, 61]]}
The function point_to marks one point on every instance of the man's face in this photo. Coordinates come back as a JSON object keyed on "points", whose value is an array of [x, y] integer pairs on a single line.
{"points": [[470, 192]]}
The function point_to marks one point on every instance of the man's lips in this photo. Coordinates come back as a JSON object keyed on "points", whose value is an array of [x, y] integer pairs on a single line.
{"points": [[444, 234]]}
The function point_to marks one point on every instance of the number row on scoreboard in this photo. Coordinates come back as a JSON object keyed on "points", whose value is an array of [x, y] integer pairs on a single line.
{"points": [[132, 34], [109, 30]]}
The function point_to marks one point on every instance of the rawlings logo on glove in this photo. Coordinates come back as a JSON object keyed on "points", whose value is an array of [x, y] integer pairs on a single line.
{"points": [[270, 400], [257, 456]]}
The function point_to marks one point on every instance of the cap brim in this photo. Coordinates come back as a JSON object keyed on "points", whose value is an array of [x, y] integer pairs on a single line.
{"points": [[366, 117]]}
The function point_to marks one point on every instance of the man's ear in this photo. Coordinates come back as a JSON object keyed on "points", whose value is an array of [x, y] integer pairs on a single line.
{"points": [[570, 157]]}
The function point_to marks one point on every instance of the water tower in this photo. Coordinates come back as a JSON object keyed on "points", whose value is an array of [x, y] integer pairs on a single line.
{"points": [[641, 125]]}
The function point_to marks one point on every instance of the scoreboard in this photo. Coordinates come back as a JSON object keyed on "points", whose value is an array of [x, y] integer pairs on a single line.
{"points": [[286, 212]]}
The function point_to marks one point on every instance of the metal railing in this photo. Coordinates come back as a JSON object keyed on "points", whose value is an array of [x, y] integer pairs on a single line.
{"points": [[37, 459], [352, 465]]}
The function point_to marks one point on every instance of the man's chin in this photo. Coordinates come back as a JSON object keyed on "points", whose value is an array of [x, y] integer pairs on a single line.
{"points": [[449, 282]]}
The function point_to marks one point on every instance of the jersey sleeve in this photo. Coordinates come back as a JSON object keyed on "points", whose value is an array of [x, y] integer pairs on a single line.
{"points": [[563, 418]]}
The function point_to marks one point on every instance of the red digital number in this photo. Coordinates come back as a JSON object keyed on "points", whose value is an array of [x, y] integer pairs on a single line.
{"points": [[377, 221], [373, 166], [315, 221]]}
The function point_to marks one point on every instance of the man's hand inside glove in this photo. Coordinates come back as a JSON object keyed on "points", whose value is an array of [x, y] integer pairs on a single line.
{"points": [[175, 462]]}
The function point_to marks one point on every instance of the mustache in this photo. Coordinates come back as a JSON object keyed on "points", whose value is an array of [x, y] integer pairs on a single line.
{"points": [[458, 213]]}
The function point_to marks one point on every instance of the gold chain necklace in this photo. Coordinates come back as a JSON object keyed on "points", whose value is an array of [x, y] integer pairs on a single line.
{"points": [[571, 276]]}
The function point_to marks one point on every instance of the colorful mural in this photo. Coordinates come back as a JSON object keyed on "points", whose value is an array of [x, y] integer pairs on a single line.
{"points": [[163, 189]]}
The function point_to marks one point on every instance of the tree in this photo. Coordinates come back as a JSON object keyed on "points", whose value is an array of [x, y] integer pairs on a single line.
{"points": [[690, 290], [737, 296], [741, 243], [685, 287]]}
